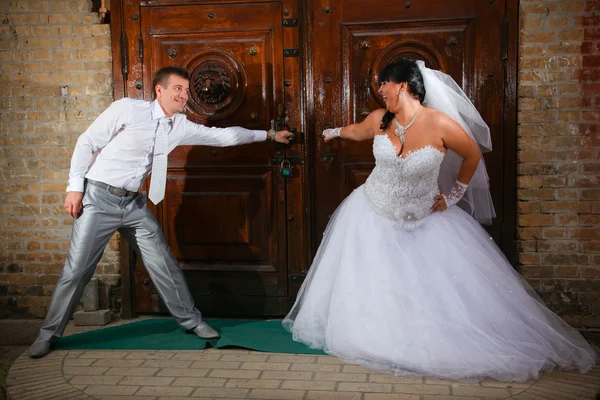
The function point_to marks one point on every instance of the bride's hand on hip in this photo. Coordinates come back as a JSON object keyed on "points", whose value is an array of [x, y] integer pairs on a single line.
{"points": [[439, 203]]}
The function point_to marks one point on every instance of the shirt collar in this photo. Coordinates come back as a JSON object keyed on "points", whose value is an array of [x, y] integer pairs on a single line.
{"points": [[157, 111]]}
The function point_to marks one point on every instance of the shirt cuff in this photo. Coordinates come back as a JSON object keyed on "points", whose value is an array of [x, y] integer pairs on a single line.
{"points": [[260, 136], [75, 185]]}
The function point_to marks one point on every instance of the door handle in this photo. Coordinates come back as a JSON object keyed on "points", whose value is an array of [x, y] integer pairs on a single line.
{"points": [[292, 130], [328, 147], [297, 135]]}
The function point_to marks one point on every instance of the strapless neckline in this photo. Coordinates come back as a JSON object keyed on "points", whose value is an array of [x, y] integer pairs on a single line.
{"points": [[411, 152]]}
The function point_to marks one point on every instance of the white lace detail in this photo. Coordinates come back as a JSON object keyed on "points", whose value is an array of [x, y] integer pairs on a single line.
{"points": [[402, 188], [455, 194]]}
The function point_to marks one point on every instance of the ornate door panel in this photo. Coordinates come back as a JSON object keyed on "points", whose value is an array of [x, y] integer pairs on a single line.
{"points": [[463, 38], [224, 207]]}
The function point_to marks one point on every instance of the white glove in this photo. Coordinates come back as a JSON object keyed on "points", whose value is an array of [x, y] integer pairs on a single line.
{"points": [[455, 194], [332, 133]]}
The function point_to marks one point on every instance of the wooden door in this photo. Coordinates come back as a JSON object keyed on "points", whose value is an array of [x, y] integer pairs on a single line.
{"points": [[224, 214], [464, 38], [244, 235]]}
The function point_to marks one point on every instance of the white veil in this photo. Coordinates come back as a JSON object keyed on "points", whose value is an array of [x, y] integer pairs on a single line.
{"points": [[442, 93]]}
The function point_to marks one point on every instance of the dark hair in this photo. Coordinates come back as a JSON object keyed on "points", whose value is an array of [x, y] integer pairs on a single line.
{"points": [[402, 70], [161, 77]]}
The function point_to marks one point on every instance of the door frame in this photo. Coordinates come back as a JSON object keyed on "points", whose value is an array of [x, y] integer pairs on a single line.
{"points": [[299, 112], [509, 231]]}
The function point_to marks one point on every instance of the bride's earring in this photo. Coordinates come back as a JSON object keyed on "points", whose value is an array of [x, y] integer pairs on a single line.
{"points": [[402, 95]]}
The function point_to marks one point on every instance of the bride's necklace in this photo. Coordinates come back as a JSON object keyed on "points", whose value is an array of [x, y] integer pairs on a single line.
{"points": [[401, 129]]}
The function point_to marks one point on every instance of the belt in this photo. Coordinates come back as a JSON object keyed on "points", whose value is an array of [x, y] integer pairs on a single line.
{"points": [[112, 189]]}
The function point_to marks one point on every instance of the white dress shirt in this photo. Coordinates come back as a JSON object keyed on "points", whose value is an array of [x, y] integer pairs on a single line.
{"points": [[123, 136]]}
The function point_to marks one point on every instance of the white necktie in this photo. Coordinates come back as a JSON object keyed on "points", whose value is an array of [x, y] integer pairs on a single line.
{"points": [[159, 164]]}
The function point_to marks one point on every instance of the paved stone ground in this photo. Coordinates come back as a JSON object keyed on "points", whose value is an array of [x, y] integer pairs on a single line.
{"points": [[242, 374]]}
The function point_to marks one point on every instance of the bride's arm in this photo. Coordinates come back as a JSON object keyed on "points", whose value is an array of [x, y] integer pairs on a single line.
{"points": [[456, 139], [459, 141], [361, 131]]}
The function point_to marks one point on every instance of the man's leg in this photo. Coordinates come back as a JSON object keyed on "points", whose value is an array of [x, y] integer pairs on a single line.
{"points": [[143, 232], [90, 234]]}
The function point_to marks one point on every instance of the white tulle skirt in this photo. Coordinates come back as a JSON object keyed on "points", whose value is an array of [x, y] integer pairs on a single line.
{"points": [[441, 301]]}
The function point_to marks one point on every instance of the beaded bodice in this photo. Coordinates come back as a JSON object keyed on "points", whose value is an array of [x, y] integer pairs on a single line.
{"points": [[403, 188]]}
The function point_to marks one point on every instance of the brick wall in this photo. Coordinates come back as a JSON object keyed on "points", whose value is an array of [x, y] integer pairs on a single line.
{"points": [[44, 46], [559, 155]]}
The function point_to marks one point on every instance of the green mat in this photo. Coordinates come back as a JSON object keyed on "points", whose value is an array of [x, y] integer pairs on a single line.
{"points": [[164, 334]]}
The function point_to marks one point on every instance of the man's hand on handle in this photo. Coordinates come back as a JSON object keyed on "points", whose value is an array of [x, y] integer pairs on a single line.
{"points": [[73, 203], [283, 136]]}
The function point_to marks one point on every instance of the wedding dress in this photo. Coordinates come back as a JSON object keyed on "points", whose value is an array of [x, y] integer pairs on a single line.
{"points": [[399, 289]]}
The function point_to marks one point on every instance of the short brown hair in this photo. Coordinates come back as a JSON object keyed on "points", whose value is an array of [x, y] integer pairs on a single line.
{"points": [[161, 77]]}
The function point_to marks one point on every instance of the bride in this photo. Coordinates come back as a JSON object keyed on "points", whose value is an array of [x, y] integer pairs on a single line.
{"points": [[407, 282]]}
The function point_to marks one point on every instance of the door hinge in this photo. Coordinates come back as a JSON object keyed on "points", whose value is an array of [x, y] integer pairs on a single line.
{"points": [[290, 52], [290, 23], [141, 50], [124, 66], [505, 40]]}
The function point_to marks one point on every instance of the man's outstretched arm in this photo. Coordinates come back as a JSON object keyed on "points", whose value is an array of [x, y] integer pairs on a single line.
{"points": [[196, 134]]}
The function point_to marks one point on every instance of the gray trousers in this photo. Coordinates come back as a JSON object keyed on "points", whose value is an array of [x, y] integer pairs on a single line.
{"points": [[103, 214]]}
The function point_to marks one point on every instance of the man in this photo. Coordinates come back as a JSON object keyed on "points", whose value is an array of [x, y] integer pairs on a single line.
{"points": [[132, 138]]}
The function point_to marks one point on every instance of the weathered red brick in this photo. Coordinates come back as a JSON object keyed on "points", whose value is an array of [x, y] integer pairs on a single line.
{"points": [[592, 6], [585, 181], [565, 272], [530, 233], [590, 47], [536, 169], [537, 272], [529, 258], [590, 194], [527, 246], [557, 245], [535, 194], [531, 23], [591, 34], [538, 37], [554, 181], [560, 207], [591, 61], [565, 259], [535, 220], [592, 246], [585, 233], [584, 284], [566, 220], [563, 48], [571, 7], [592, 219], [554, 233]]}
